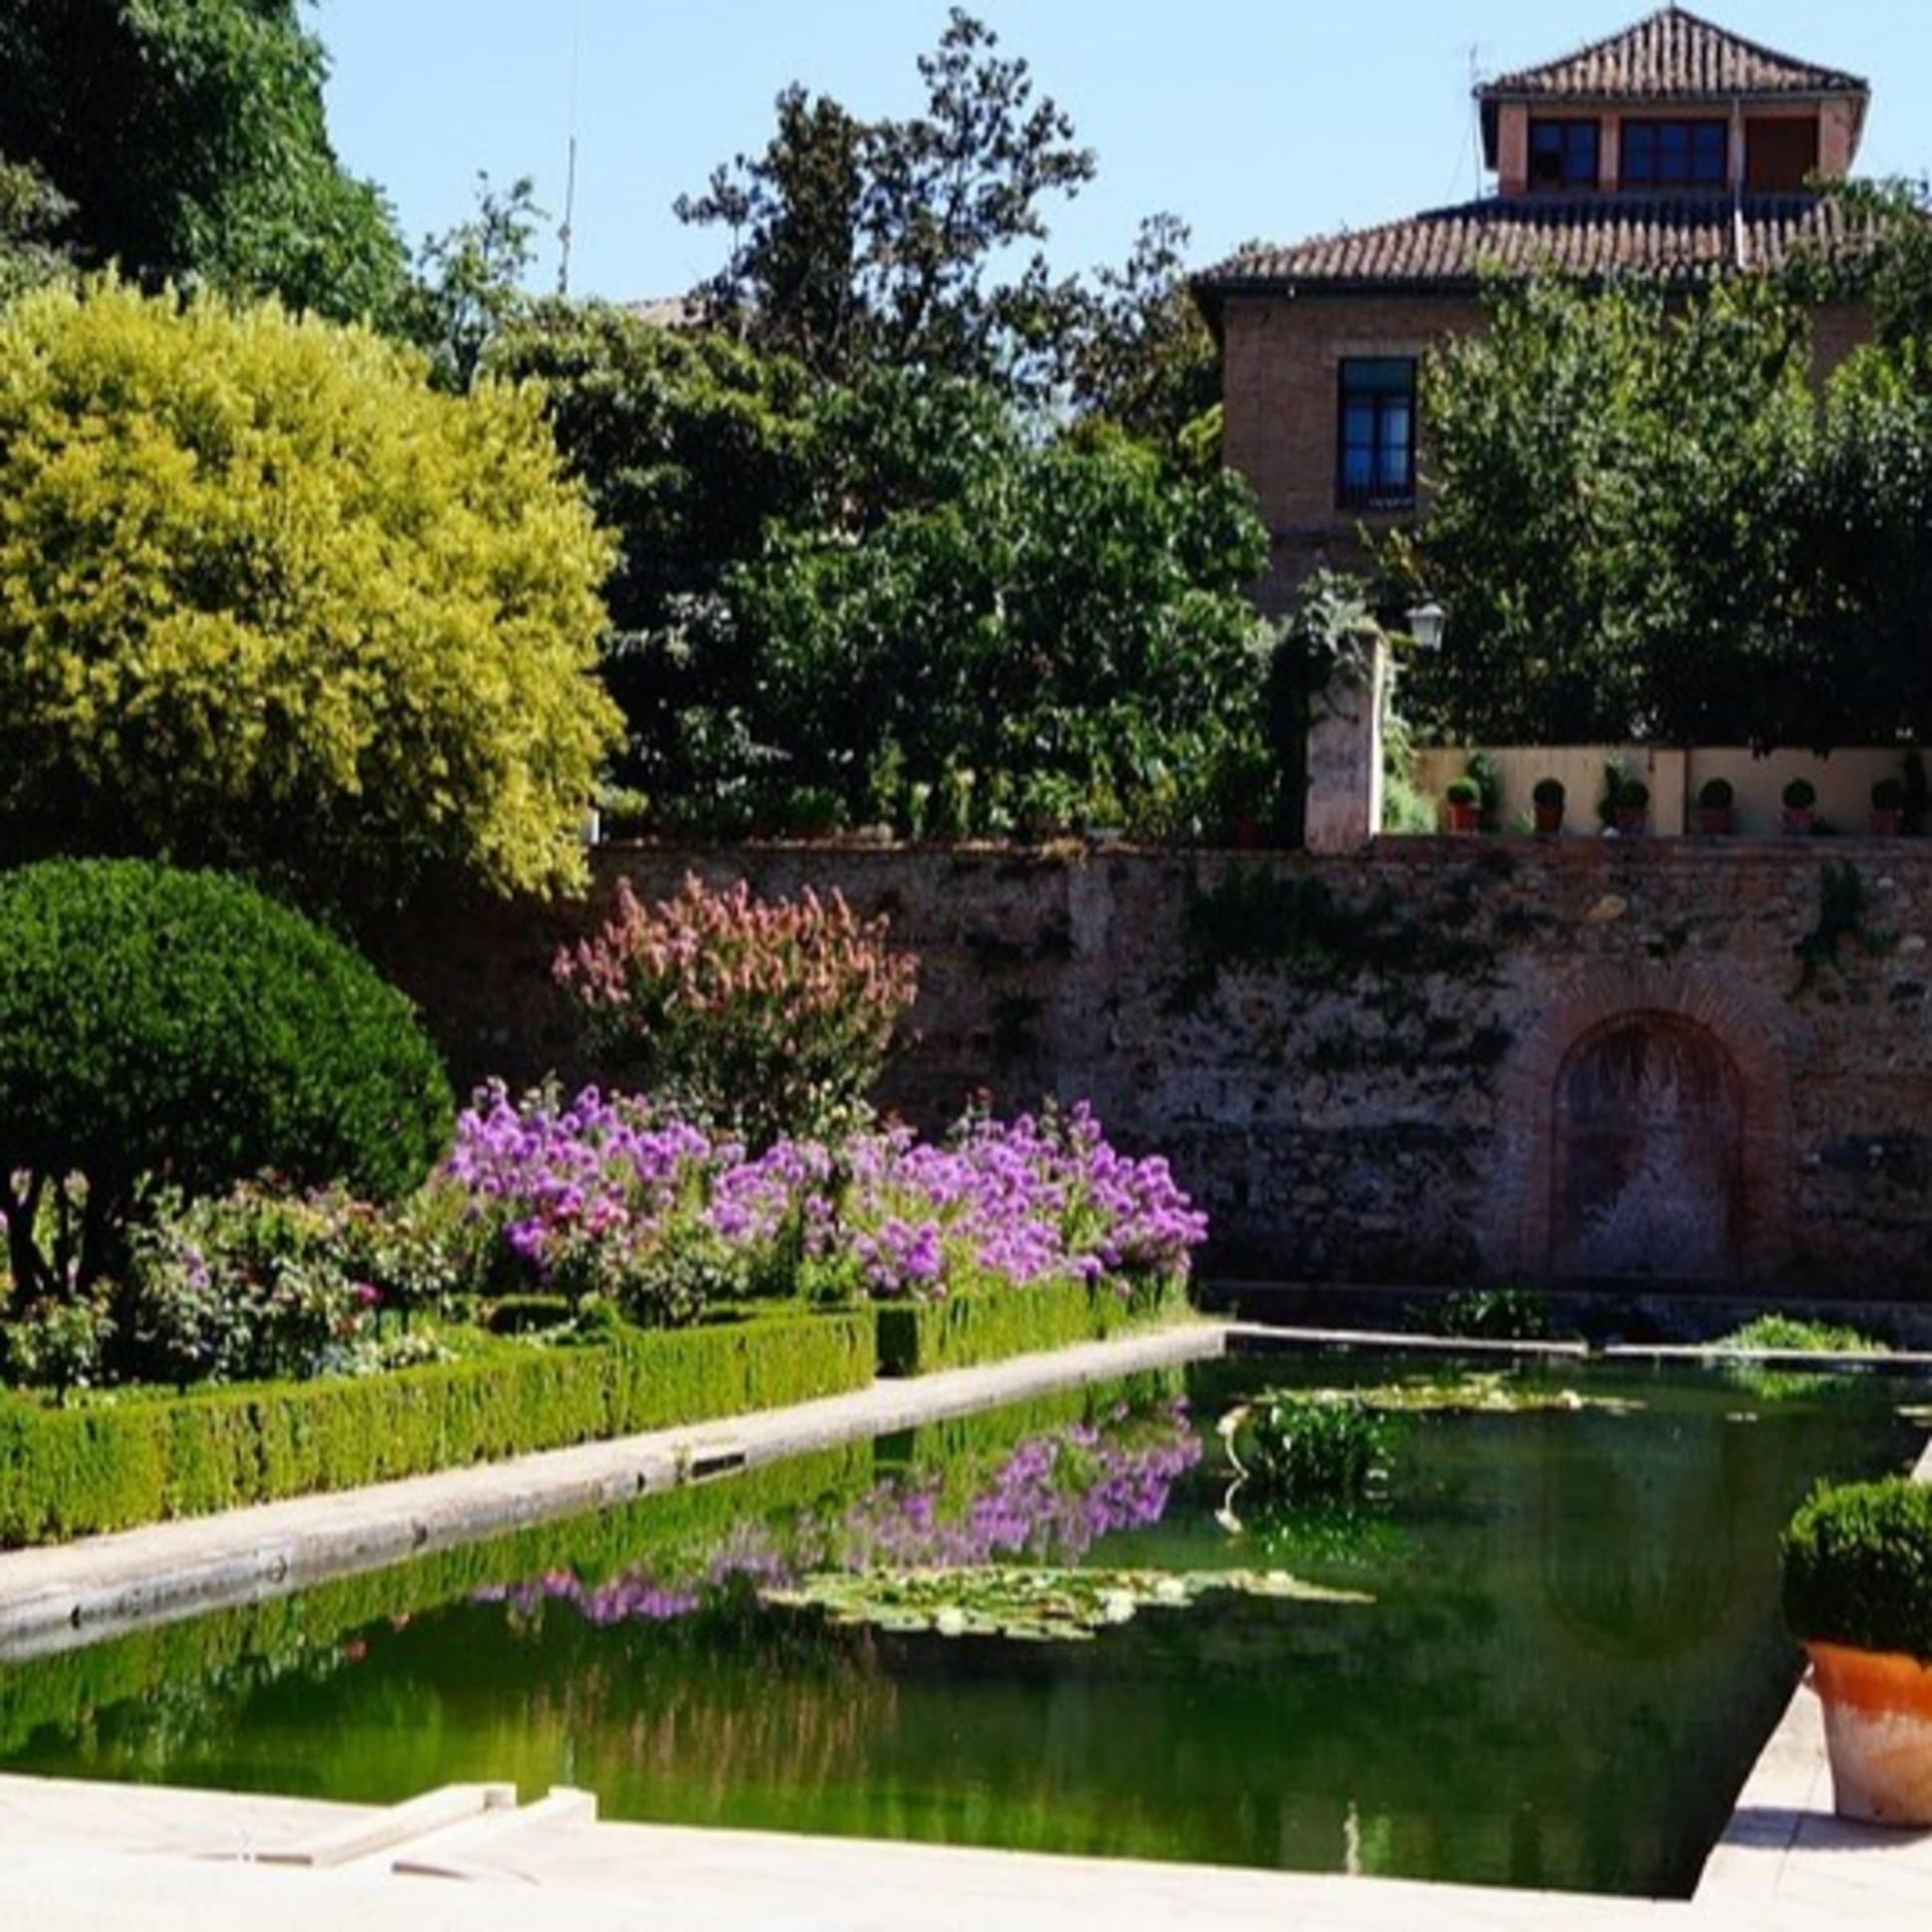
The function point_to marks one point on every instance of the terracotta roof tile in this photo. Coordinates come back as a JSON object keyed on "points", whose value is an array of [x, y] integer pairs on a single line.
{"points": [[1671, 55], [1684, 238]]}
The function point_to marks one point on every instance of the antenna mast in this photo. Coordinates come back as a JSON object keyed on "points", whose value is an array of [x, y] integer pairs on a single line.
{"points": [[1476, 113], [568, 231]]}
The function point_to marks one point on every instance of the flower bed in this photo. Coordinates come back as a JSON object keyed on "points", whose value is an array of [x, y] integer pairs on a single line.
{"points": [[144, 1458], [603, 1196]]}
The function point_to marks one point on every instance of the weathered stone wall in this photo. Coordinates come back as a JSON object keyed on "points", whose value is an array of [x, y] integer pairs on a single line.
{"points": [[1440, 1060]]}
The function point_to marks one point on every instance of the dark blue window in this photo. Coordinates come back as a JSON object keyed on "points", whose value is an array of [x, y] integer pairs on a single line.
{"points": [[1562, 154], [1676, 153], [1377, 468]]}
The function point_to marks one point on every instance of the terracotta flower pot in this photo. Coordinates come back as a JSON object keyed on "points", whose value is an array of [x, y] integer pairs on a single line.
{"points": [[1549, 820], [1464, 818], [1878, 1729], [1633, 821], [1798, 821], [1886, 825], [1715, 821]]}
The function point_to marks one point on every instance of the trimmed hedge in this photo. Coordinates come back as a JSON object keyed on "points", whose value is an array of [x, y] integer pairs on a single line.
{"points": [[921, 1338], [80, 1472], [1859, 1567]]}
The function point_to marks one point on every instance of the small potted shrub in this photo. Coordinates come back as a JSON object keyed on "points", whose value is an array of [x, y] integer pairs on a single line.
{"points": [[1716, 803], [1049, 807], [1633, 808], [1464, 802], [1800, 807], [1859, 1596], [1549, 798], [1888, 808]]}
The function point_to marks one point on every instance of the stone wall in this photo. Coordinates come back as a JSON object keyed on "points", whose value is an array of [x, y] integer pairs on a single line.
{"points": [[1437, 1060]]}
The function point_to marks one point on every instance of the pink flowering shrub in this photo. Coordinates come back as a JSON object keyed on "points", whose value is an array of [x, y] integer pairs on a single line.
{"points": [[607, 1197], [769, 1018]]}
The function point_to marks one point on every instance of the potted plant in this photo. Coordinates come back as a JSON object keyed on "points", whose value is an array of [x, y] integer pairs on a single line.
{"points": [[1633, 808], [1049, 807], [813, 812], [1716, 801], [1800, 800], [1888, 808], [1549, 798], [1859, 1595], [1464, 802], [1248, 783]]}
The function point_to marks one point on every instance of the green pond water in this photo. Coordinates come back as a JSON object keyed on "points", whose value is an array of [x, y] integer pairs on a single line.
{"points": [[1569, 1660]]}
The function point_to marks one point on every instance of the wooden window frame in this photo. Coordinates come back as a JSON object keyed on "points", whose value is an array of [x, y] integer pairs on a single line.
{"points": [[1688, 181], [1569, 128], [1375, 495]]}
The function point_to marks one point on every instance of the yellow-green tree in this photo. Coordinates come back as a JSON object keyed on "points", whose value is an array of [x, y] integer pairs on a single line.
{"points": [[269, 601]]}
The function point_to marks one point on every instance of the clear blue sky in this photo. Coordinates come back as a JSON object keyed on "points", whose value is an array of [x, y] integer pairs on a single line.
{"points": [[1272, 117]]}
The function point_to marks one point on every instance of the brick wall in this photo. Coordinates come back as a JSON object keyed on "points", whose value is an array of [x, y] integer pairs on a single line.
{"points": [[1282, 390], [1387, 1098]]}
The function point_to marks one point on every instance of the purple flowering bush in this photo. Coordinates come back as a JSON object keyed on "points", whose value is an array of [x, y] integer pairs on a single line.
{"points": [[603, 1195]]}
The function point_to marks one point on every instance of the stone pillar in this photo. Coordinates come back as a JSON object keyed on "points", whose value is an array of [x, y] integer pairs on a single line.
{"points": [[1345, 806]]}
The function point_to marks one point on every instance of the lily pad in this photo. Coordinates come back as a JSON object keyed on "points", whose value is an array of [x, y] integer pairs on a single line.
{"points": [[1031, 1605], [1474, 1394]]}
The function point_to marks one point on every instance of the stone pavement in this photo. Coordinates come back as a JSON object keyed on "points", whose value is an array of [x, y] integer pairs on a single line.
{"points": [[97, 1856]]}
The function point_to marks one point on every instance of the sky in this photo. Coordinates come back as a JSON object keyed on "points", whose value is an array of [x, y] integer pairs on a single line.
{"points": [[1269, 119]]}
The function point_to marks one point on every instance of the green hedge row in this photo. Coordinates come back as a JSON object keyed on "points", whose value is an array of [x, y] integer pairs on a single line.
{"points": [[924, 1337], [78, 1471]]}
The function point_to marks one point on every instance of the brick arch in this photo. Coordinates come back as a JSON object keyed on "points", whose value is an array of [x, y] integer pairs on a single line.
{"points": [[1516, 1234]]}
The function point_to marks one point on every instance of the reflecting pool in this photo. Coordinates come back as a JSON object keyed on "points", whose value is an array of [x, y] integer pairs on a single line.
{"points": [[1546, 1653]]}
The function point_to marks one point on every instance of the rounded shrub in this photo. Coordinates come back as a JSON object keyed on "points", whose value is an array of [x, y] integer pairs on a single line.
{"points": [[1633, 795], [182, 1030], [275, 606], [1888, 795], [1462, 791], [1550, 794], [1716, 795], [1800, 795], [1859, 1567]]}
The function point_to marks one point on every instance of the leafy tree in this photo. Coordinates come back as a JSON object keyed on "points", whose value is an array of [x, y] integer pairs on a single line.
{"points": [[1605, 472], [32, 214], [690, 446], [1008, 607], [468, 284], [274, 605], [856, 243], [1139, 355], [178, 1029], [1856, 670], [189, 136]]}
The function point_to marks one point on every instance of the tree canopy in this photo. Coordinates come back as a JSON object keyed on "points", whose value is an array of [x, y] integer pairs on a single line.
{"points": [[189, 140], [273, 604]]}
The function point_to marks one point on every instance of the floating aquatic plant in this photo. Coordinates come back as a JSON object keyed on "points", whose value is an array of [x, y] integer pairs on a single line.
{"points": [[1032, 1605]]}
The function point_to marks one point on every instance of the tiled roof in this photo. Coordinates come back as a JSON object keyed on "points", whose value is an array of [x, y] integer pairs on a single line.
{"points": [[1684, 238], [1671, 55], [666, 311]]}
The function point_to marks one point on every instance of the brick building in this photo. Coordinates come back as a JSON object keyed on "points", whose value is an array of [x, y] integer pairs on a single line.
{"points": [[1674, 149]]}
